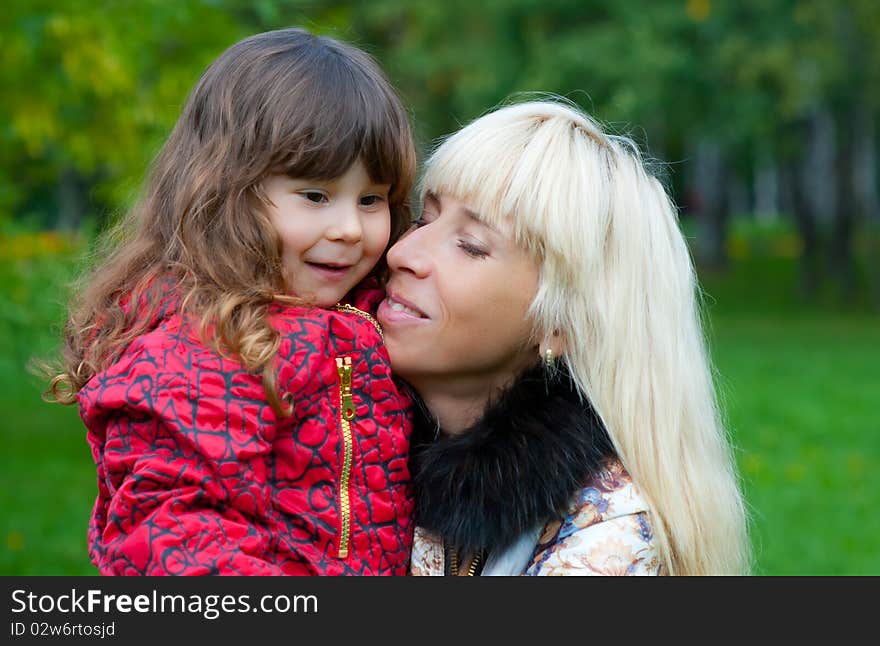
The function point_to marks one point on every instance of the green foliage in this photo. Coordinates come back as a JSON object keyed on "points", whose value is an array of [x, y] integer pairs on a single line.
{"points": [[96, 87]]}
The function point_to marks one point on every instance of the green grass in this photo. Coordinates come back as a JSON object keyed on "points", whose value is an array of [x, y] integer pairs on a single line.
{"points": [[802, 395], [47, 487], [47, 483], [800, 386]]}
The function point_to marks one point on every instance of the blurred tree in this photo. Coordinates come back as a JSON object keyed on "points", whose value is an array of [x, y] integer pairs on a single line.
{"points": [[89, 89], [838, 58], [758, 102]]}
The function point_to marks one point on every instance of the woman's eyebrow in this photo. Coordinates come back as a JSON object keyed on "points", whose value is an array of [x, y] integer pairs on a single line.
{"points": [[473, 215]]}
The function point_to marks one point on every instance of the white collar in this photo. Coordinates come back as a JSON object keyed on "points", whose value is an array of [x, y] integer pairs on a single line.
{"points": [[514, 560]]}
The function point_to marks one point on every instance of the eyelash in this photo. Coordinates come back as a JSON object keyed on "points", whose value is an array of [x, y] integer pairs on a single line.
{"points": [[376, 199], [310, 194], [471, 250]]}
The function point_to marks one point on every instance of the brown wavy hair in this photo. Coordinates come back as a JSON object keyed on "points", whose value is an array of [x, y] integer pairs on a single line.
{"points": [[283, 101]]}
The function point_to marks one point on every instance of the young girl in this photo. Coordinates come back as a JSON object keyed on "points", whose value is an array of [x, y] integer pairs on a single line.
{"points": [[238, 398]]}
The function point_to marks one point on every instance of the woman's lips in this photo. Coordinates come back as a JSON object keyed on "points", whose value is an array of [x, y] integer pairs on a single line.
{"points": [[392, 310]]}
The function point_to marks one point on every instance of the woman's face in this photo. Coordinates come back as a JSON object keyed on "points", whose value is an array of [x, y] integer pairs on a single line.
{"points": [[457, 300]]}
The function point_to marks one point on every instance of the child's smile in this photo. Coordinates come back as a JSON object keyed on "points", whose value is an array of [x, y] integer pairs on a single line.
{"points": [[330, 272], [333, 231]]}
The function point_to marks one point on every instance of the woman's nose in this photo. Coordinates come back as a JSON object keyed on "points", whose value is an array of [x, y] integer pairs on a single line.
{"points": [[410, 254]]}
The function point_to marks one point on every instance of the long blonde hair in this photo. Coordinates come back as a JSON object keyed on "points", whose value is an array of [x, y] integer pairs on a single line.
{"points": [[283, 101], [617, 281]]}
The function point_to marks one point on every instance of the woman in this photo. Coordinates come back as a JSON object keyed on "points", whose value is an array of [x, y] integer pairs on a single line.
{"points": [[544, 309]]}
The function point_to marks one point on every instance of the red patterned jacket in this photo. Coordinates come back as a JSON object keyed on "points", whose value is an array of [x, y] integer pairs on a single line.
{"points": [[197, 475]]}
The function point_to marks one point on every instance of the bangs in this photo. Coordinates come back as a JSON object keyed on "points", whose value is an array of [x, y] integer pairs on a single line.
{"points": [[364, 121], [482, 166], [514, 167]]}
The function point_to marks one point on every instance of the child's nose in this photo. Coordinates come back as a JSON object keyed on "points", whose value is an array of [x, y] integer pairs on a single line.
{"points": [[346, 226]]}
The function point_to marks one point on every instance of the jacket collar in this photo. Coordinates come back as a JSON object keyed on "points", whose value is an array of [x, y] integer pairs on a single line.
{"points": [[536, 444]]}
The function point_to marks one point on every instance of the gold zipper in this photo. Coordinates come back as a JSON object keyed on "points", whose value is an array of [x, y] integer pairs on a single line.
{"points": [[345, 307], [346, 416]]}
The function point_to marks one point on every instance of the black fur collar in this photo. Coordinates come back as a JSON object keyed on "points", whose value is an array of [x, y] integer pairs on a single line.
{"points": [[534, 447]]}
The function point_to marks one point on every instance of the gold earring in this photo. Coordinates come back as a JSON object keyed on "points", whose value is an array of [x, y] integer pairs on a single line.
{"points": [[548, 358]]}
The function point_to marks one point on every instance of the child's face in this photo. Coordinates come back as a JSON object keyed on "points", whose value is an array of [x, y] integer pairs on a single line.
{"points": [[333, 231]]}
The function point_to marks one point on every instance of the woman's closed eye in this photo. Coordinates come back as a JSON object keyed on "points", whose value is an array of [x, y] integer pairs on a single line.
{"points": [[472, 250]]}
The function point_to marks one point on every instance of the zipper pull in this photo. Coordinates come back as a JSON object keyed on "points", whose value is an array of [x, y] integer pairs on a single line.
{"points": [[343, 367]]}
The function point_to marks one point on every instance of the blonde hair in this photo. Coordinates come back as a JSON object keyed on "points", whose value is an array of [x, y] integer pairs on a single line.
{"points": [[617, 281]]}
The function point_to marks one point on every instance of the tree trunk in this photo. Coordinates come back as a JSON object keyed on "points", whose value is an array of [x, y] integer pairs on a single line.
{"points": [[813, 190], [841, 249], [805, 218], [766, 187], [708, 186], [70, 200], [737, 196], [865, 164], [819, 177], [865, 192]]}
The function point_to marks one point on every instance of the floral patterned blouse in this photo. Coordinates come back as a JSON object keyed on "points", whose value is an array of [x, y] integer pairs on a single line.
{"points": [[606, 531]]}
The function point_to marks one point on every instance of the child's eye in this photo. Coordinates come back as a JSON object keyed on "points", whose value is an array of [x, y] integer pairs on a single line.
{"points": [[418, 222], [371, 200], [314, 196]]}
